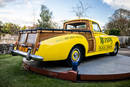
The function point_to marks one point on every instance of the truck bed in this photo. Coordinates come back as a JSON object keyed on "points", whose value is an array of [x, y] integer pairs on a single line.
{"points": [[34, 36]]}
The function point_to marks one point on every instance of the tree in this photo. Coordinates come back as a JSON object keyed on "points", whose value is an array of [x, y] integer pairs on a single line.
{"points": [[1, 28], [46, 17], [121, 13], [80, 9], [23, 28], [120, 22], [1, 23], [10, 28]]}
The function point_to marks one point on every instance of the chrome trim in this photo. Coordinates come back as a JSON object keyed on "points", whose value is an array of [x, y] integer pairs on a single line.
{"points": [[24, 54]]}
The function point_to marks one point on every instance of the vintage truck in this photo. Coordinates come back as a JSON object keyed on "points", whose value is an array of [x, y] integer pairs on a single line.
{"points": [[77, 40]]}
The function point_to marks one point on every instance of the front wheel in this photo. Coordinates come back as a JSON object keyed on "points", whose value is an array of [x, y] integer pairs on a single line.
{"points": [[116, 48], [75, 55]]}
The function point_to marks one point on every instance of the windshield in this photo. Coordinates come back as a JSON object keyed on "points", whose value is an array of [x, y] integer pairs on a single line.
{"points": [[80, 25]]}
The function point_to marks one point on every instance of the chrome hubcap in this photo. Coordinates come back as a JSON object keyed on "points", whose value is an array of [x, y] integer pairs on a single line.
{"points": [[75, 56]]}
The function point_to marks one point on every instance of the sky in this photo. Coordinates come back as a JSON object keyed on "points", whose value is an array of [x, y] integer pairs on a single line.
{"points": [[26, 12]]}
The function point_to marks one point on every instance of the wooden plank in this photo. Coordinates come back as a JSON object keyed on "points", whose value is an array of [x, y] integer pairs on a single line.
{"points": [[37, 41]]}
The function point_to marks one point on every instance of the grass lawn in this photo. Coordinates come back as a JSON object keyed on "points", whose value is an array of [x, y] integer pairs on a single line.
{"points": [[12, 74]]}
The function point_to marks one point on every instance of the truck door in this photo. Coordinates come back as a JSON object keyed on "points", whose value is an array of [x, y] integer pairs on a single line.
{"points": [[97, 33], [103, 41]]}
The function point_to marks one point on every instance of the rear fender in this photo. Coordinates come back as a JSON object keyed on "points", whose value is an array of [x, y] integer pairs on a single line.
{"points": [[58, 48]]}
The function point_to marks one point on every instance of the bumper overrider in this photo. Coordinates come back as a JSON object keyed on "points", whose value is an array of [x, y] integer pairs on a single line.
{"points": [[27, 55]]}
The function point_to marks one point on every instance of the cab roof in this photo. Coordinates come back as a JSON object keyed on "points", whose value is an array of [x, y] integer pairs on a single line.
{"points": [[80, 20]]}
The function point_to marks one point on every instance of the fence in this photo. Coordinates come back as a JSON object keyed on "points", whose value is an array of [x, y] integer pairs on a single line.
{"points": [[124, 41]]}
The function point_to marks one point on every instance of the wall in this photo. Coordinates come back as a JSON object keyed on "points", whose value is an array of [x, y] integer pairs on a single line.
{"points": [[5, 41], [5, 49], [8, 39]]}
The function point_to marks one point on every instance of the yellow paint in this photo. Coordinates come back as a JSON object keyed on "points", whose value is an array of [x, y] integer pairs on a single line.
{"points": [[58, 48], [14, 48], [81, 20]]}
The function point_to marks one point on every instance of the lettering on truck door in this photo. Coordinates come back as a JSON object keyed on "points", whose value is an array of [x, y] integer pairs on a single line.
{"points": [[105, 43]]}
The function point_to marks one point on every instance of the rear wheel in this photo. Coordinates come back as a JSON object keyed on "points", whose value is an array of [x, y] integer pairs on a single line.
{"points": [[75, 55], [116, 48]]}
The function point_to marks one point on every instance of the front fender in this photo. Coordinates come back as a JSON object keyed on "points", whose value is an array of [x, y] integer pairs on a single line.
{"points": [[58, 48], [115, 40]]}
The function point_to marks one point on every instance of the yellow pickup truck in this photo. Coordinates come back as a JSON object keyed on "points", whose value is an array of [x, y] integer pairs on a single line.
{"points": [[77, 40]]}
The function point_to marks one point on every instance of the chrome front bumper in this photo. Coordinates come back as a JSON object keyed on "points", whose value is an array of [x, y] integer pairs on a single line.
{"points": [[27, 55]]}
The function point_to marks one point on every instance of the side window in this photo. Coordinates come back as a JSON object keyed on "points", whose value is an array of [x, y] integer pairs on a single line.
{"points": [[96, 27]]}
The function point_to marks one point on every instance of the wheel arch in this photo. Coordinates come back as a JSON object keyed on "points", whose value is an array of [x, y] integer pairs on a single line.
{"points": [[117, 44], [82, 47], [116, 40]]}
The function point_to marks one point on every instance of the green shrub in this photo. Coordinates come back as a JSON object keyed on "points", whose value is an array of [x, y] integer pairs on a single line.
{"points": [[114, 32]]}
